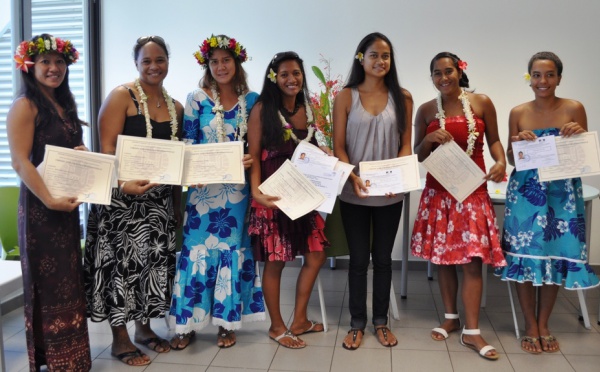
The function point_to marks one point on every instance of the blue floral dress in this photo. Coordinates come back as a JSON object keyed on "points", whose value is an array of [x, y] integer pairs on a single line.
{"points": [[544, 230], [216, 274]]}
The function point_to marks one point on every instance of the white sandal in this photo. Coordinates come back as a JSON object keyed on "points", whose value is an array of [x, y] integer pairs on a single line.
{"points": [[484, 350], [442, 331]]}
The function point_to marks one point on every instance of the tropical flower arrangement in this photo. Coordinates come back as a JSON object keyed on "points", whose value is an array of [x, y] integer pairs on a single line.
{"points": [[29, 49], [322, 101]]}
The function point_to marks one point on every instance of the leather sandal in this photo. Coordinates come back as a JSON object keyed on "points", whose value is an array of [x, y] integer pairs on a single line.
{"points": [[354, 332], [484, 350], [442, 331]]}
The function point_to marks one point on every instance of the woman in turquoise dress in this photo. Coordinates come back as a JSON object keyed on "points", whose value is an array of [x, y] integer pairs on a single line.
{"points": [[216, 275], [544, 225]]}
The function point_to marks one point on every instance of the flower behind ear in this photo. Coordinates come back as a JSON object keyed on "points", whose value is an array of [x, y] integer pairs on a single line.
{"points": [[359, 56], [527, 77], [272, 76], [462, 65]]}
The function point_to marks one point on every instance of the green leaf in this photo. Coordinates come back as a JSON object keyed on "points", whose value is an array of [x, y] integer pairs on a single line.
{"points": [[325, 103], [319, 74]]}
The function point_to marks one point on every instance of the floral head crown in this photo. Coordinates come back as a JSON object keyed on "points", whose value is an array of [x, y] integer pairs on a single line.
{"points": [[27, 50], [220, 42]]}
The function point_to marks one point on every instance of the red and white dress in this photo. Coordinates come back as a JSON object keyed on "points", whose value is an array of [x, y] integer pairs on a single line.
{"points": [[451, 233]]}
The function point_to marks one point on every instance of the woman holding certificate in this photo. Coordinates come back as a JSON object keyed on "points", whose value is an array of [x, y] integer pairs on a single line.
{"points": [[130, 247], [49, 238], [372, 121], [446, 231], [281, 119], [544, 226], [216, 276]]}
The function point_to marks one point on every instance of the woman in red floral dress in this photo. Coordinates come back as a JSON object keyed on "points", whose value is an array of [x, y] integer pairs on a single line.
{"points": [[446, 231]]}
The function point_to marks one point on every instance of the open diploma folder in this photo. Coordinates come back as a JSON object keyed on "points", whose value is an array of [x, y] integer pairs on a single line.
{"points": [[455, 170], [298, 195], [87, 175]]}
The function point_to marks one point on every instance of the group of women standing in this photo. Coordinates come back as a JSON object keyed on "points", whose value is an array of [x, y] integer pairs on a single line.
{"points": [[129, 270]]}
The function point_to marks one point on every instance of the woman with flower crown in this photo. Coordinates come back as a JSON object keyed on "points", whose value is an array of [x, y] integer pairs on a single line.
{"points": [[45, 114], [130, 247], [216, 275], [544, 223], [372, 120], [281, 119], [448, 232]]}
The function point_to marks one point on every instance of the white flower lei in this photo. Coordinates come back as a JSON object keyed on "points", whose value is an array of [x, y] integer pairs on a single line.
{"points": [[441, 116], [309, 124], [242, 117], [170, 107]]}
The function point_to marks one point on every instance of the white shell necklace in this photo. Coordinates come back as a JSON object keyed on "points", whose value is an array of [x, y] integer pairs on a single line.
{"points": [[242, 117], [466, 105], [170, 107], [287, 127]]}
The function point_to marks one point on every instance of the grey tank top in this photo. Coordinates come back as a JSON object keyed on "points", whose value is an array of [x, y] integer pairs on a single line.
{"points": [[369, 138]]}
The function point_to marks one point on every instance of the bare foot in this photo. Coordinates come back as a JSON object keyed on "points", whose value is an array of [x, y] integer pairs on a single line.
{"points": [[225, 338], [287, 339], [531, 345], [549, 344], [309, 326], [353, 339], [449, 325], [385, 336]]}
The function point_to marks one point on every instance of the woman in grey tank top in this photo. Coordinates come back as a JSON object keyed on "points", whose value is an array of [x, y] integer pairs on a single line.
{"points": [[372, 121]]}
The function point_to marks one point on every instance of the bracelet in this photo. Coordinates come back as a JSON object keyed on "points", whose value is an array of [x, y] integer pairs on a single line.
{"points": [[121, 187]]}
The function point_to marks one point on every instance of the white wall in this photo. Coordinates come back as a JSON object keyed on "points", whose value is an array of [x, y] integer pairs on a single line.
{"points": [[496, 38]]}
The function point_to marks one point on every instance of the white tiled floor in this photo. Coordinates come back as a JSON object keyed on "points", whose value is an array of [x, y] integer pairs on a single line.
{"points": [[416, 351]]}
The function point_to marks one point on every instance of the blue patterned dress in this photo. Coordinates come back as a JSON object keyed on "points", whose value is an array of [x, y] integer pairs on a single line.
{"points": [[544, 230], [216, 271]]}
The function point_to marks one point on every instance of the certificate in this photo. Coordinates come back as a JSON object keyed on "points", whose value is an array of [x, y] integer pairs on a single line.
{"points": [[345, 169], [538, 153], [214, 163], [140, 158], [394, 176], [578, 156], [455, 170], [86, 175], [297, 193], [309, 154], [326, 181]]}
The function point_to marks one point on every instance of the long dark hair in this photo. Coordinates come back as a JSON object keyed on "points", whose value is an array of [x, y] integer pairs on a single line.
{"points": [[270, 96], [65, 99], [357, 76], [464, 80]]}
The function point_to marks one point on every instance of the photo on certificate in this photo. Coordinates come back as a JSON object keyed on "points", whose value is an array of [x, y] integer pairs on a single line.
{"points": [[578, 156], [390, 176], [538, 153]]}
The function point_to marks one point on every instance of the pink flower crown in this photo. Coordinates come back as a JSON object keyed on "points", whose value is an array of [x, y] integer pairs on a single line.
{"points": [[43, 45], [220, 42]]}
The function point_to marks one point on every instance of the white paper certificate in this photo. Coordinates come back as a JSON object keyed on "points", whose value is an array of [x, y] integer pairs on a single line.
{"points": [[455, 170], [214, 163], [345, 169], [86, 175], [535, 154], [394, 176], [298, 195], [140, 158], [578, 156]]}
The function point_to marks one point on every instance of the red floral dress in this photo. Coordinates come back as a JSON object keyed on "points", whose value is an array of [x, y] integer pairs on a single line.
{"points": [[448, 232]]}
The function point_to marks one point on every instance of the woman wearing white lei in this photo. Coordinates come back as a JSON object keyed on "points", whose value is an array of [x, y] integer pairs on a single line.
{"points": [[130, 248], [215, 276], [447, 232]]}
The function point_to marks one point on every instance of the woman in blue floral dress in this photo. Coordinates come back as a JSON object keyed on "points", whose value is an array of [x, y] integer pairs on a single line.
{"points": [[216, 275], [544, 225]]}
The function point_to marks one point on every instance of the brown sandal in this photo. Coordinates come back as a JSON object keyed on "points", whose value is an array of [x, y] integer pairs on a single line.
{"points": [[384, 330], [354, 332]]}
